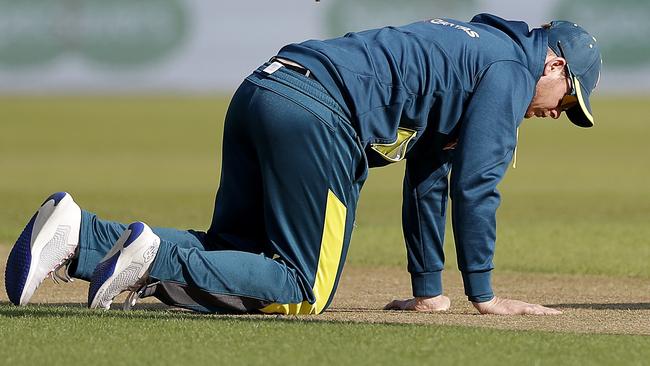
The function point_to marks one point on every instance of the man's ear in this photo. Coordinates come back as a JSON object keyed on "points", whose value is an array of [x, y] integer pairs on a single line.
{"points": [[554, 65]]}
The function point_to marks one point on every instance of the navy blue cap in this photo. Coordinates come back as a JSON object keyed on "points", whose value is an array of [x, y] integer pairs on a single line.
{"points": [[581, 51]]}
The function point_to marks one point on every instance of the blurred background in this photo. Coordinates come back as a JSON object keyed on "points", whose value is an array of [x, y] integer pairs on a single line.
{"points": [[199, 46], [122, 102]]}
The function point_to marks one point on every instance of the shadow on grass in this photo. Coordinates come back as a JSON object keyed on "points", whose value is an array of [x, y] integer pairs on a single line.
{"points": [[163, 312], [355, 310], [143, 311], [146, 311], [608, 306]]}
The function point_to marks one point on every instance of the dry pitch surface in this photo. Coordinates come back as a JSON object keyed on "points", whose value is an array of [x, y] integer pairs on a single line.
{"points": [[591, 304]]}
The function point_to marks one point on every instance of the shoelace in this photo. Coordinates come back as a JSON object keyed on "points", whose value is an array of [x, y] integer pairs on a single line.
{"points": [[65, 277], [132, 299], [58, 277], [135, 295]]}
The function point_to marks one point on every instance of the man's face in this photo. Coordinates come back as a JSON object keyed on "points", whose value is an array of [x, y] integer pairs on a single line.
{"points": [[551, 89]]}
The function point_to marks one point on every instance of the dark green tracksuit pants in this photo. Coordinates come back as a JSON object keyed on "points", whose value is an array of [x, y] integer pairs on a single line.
{"points": [[291, 175]]}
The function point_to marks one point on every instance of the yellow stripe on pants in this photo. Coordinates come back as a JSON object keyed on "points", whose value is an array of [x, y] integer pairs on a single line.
{"points": [[328, 261]]}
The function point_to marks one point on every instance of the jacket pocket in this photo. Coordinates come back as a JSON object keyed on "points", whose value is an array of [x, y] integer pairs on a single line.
{"points": [[395, 151]]}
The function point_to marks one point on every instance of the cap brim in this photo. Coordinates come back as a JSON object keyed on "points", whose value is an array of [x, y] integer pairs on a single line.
{"points": [[580, 115]]}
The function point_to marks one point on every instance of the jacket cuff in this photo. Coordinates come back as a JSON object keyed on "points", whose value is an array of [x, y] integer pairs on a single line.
{"points": [[478, 286], [427, 284]]}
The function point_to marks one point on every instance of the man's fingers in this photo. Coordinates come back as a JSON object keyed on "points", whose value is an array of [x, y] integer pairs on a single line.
{"points": [[536, 309], [501, 306], [543, 310], [395, 305], [421, 304]]}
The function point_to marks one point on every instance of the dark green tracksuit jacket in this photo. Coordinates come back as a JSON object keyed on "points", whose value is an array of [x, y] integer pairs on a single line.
{"points": [[445, 95]]}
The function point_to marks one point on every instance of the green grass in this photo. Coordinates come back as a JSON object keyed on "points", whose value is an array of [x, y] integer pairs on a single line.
{"points": [[578, 202], [60, 335], [150, 158]]}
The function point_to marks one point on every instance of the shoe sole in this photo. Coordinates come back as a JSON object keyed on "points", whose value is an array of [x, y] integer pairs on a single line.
{"points": [[43, 246], [124, 266]]}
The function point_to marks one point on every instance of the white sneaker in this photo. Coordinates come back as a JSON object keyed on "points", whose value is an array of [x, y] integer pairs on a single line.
{"points": [[47, 243], [125, 266]]}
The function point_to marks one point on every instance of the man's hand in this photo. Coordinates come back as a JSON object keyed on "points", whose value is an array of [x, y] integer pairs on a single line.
{"points": [[499, 306], [425, 304]]}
